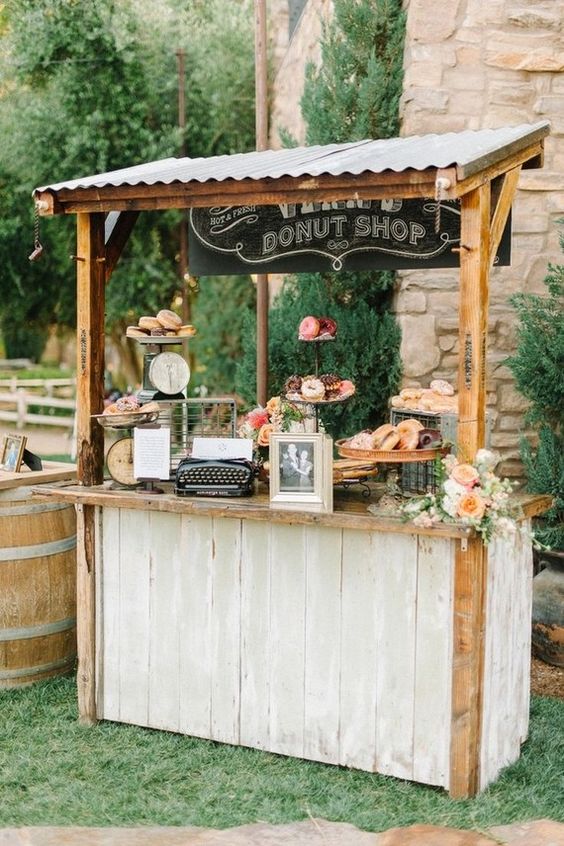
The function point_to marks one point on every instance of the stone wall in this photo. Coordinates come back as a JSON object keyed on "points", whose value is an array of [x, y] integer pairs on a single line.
{"points": [[469, 64]]}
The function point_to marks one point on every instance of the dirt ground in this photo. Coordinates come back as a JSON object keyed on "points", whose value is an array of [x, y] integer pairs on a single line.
{"points": [[546, 680]]}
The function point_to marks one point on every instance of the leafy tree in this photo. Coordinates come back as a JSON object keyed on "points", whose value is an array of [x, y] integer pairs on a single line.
{"points": [[538, 367], [354, 94], [92, 87]]}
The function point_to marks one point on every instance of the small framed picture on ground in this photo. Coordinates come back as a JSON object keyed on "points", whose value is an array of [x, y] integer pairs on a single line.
{"points": [[301, 471], [12, 452]]}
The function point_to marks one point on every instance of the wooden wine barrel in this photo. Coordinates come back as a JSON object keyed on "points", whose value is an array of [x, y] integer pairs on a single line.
{"points": [[37, 588]]}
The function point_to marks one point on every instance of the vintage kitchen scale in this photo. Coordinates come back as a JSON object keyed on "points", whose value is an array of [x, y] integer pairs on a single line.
{"points": [[166, 375]]}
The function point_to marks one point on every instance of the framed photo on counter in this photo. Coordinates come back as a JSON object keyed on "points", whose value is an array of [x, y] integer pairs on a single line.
{"points": [[12, 453], [301, 471]]}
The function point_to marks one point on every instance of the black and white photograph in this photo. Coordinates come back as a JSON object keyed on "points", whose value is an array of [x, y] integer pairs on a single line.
{"points": [[301, 475], [296, 467]]}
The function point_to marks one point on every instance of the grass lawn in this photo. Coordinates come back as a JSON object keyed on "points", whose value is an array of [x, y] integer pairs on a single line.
{"points": [[54, 771]]}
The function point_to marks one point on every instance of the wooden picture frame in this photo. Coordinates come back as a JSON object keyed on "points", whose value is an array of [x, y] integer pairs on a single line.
{"points": [[13, 447], [301, 471]]}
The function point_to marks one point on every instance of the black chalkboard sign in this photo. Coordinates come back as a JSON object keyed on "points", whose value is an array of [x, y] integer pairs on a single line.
{"points": [[348, 235]]}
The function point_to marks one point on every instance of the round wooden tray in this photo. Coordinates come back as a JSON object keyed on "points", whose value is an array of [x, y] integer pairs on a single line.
{"points": [[161, 340], [299, 399], [391, 456], [126, 419]]}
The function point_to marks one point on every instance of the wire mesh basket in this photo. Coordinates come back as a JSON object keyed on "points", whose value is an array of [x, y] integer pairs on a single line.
{"points": [[196, 418], [420, 477]]}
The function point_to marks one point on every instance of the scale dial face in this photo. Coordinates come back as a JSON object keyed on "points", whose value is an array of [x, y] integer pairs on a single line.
{"points": [[120, 462], [169, 373]]}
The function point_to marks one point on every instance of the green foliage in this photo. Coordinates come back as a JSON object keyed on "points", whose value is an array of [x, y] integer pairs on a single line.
{"points": [[355, 92], [222, 310], [364, 349], [92, 87], [538, 367], [353, 95], [56, 772]]}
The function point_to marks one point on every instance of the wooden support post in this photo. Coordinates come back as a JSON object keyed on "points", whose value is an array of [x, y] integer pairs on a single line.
{"points": [[261, 128], [471, 562], [473, 321], [90, 438]]}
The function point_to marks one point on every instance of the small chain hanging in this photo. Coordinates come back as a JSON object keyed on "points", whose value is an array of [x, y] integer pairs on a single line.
{"points": [[441, 185], [37, 247]]}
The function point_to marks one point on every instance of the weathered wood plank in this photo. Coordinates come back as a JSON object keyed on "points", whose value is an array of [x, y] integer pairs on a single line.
{"points": [[322, 645], [195, 600], [255, 634], [502, 209], [86, 612], [134, 601], [225, 630], [287, 639], [164, 676], [433, 671], [359, 653], [108, 611], [395, 609]]}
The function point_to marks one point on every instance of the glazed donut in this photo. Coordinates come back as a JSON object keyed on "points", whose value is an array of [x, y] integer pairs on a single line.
{"points": [[440, 386], [381, 433], [169, 319], [409, 425], [362, 440], [313, 389], [148, 323], [391, 441], [409, 439], [308, 328], [186, 331], [128, 403], [136, 332], [410, 393], [397, 402]]}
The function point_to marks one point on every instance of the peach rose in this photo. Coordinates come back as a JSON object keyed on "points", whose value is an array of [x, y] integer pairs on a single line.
{"points": [[465, 475], [471, 505], [273, 405], [263, 437]]}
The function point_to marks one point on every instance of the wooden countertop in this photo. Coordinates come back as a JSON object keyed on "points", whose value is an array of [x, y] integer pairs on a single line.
{"points": [[53, 471], [350, 508]]}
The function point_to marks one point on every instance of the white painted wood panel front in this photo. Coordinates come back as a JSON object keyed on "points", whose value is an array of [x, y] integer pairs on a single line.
{"points": [[326, 643]]}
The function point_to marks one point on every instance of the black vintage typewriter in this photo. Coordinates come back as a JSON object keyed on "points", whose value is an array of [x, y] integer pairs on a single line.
{"points": [[215, 477]]}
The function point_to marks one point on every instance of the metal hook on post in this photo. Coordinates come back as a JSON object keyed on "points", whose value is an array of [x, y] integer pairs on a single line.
{"points": [[442, 184]]}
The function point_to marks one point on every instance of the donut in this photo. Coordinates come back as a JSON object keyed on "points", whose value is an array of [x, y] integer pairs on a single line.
{"points": [[169, 319], [128, 403], [186, 331], [391, 441], [409, 440], [409, 425], [148, 323], [362, 440], [327, 326], [382, 432], [313, 389], [397, 402], [136, 332], [429, 438], [439, 386], [111, 409], [309, 328], [159, 332], [410, 393], [346, 387], [293, 384]]}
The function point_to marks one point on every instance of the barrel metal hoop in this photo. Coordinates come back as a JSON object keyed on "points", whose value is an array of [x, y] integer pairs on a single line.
{"points": [[32, 508], [22, 672], [41, 630], [16, 553]]}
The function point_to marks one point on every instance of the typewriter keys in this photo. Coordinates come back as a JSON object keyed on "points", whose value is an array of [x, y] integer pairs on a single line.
{"points": [[120, 462]]}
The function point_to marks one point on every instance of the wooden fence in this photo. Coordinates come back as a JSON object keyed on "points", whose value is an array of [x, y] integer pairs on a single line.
{"points": [[34, 401]]}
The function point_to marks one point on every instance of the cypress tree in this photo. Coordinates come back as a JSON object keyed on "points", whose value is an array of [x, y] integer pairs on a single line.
{"points": [[354, 94]]}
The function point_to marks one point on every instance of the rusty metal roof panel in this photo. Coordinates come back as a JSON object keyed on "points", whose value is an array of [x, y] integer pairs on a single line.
{"points": [[468, 151]]}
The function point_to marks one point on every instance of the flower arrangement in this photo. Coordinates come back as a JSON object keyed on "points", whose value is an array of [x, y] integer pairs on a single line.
{"points": [[470, 494], [279, 415]]}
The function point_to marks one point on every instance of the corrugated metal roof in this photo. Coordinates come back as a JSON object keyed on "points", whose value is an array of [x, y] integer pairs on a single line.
{"points": [[469, 151]]}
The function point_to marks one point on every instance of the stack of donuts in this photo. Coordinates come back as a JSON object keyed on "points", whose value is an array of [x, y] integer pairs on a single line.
{"points": [[409, 434], [324, 388], [439, 398], [128, 404], [317, 328], [166, 324]]}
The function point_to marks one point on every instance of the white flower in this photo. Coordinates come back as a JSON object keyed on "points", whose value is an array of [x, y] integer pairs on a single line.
{"points": [[450, 505], [486, 460], [452, 489], [449, 462], [424, 520]]}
